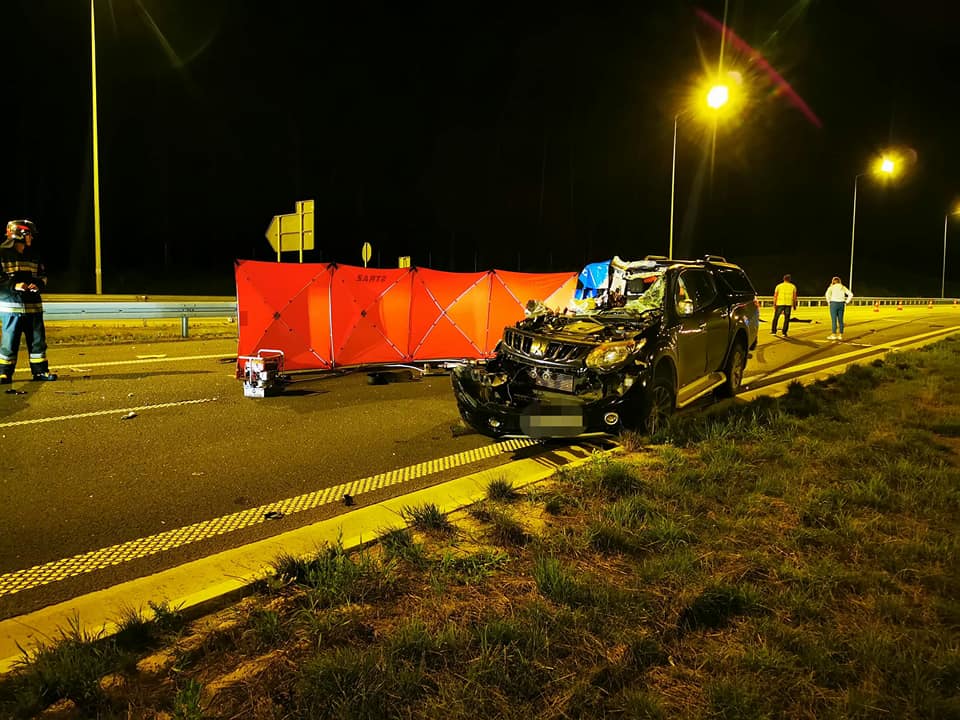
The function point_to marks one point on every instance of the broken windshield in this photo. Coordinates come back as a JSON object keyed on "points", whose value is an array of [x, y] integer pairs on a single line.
{"points": [[643, 294]]}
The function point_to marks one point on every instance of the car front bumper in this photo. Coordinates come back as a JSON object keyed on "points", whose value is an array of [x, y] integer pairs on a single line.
{"points": [[538, 413]]}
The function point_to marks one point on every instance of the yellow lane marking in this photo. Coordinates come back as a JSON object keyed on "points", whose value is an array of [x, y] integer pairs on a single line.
{"points": [[96, 413], [56, 570]]}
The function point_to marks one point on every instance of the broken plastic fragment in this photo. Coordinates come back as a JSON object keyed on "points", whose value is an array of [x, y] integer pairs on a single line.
{"points": [[129, 416], [534, 308]]}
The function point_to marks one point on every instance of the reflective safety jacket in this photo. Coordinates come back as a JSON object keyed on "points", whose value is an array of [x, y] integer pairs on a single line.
{"points": [[16, 268], [785, 294]]}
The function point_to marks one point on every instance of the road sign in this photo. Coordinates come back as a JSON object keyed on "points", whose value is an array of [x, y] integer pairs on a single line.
{"points": [[404, 261], [366, 252], [294, 231]]}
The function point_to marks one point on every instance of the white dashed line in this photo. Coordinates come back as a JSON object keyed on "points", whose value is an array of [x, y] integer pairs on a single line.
{"points": [[139, 361], [116, 411]]}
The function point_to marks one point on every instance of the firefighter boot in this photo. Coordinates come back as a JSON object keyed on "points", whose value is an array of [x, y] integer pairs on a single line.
{"points": [[47, 376]]}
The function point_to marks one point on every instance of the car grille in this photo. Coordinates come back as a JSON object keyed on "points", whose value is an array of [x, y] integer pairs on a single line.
{"points": [[544, 377], [540, 348]]}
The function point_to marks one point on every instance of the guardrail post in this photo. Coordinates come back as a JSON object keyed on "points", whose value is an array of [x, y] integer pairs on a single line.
{"points": [[184, 327]]}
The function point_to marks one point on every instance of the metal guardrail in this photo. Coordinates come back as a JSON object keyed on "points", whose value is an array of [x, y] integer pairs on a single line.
{"points": [[96, 308], [819, 301]]}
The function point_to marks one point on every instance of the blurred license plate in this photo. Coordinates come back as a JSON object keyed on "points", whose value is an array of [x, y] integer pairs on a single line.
{"points": [[552, 422]]}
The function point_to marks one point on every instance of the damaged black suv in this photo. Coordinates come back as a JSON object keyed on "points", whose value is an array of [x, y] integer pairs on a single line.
{"points": [[659, 335]]}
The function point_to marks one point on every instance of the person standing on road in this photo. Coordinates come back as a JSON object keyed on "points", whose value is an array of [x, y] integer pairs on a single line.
{"points": [[22, 277], [784, 303], [837, 296]]}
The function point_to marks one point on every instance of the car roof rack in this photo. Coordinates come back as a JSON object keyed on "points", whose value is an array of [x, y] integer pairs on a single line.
{"points": [[714, 258]]}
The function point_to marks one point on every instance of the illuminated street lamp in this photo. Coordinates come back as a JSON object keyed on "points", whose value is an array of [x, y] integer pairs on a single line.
{"points": [[943, 277], [717, 96], [713, 98], [886, 166]]}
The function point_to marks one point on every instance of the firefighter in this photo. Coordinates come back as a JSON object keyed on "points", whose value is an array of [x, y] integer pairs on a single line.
{"points": [[22, 278]]}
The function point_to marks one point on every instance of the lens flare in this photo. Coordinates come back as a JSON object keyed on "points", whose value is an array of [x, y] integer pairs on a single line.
{"points": [[757, 59]]}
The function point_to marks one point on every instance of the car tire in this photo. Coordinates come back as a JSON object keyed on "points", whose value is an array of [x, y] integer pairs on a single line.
{"points": [[736, 363], [659, 402]]}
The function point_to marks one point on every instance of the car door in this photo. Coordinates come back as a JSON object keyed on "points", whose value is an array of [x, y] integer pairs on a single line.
{"points": [[713, 307], [691, 337]]}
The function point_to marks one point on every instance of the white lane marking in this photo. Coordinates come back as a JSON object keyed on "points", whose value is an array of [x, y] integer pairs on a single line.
{"points": [[151, 359], [140, 361], [117, 411], [865, 350]]}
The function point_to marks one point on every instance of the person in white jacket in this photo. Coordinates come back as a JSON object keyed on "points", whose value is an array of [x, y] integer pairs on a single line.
{"points": [[837, 297]]}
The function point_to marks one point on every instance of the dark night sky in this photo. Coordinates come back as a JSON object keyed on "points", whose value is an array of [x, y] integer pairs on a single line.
{"points": [[479, 135]]}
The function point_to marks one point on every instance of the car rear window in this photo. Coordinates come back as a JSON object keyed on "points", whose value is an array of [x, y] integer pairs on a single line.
{"points": [[736, 281]]}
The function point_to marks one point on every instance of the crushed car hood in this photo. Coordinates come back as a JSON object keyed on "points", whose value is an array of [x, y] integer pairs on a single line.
{"points": [[596, 328]]}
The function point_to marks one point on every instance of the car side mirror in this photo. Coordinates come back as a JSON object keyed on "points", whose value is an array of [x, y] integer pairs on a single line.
{"points": [[685, 308]]}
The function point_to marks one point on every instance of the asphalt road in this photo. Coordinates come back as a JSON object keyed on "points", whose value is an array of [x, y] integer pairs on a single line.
{"points": [[136, 441], [868, 334], [77, 474]]}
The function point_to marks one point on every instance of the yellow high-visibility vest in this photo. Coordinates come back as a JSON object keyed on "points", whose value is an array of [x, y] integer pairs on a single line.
{"points": [[785, 293]]}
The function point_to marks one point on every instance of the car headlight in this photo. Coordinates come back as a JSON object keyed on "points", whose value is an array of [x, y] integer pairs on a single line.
{"points": [[609, 355]]}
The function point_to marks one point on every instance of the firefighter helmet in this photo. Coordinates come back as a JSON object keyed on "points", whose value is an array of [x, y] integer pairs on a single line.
{"points": [[17, 230]]}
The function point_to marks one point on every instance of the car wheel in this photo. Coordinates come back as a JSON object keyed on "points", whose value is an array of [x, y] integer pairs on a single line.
{"points": [[659, 402], [736, 364]]}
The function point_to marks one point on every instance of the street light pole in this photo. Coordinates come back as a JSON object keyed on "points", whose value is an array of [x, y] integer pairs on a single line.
{"points": [[673, 183], [943, 275], [885, 165], [96, 153], [853, 231], [715, 98]]}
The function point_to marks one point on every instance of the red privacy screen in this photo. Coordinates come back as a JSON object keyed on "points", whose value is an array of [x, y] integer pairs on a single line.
{"points": [[324, 316]]}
